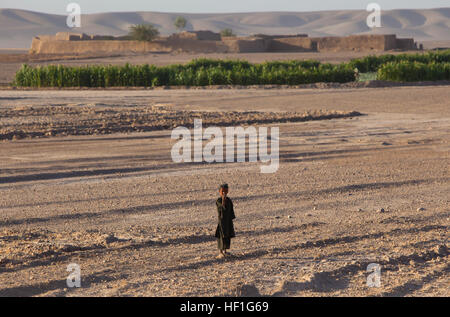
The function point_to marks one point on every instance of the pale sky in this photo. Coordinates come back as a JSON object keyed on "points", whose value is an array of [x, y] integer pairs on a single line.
{"points": [[215, 6]]}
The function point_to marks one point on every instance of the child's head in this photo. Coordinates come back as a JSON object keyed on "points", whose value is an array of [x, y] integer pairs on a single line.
{"points": [[223, 189]]}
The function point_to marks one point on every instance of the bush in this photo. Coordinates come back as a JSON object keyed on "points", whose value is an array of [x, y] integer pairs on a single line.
{"points": [[292, 64], [227, 33], [406, 71], [180, 23], [224, 63], [143, 32], [373, 63]]}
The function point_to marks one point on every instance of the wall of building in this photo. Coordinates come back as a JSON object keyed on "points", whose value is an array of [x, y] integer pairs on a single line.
{"points": [[197, 35], [83, 47], [245, 45], [281, 36], [390, 42], [406, 44], [292, 44], [206, 42], [351, 43], [195, 46]]}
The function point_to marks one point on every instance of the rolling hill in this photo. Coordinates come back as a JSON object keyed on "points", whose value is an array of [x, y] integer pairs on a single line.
{"points": [[18, 27]]}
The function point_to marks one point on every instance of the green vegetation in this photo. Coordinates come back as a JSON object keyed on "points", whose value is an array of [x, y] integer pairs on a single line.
{"points": [[200, 72], [407, 71], [227, 33], [143, 32], [180, 23], [230, 64], [372, 63]]}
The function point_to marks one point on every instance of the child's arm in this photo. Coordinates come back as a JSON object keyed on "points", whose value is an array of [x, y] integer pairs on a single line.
{"points": [[220, 209], [233, 216]]}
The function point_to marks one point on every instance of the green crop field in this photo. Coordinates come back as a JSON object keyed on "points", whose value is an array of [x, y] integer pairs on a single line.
{"points": [[200, 72], [205, 72], [373, 63], [406, 71]]}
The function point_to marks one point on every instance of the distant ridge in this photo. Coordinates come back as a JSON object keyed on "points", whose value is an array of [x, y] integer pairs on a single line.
{"points": [[18, 27]]}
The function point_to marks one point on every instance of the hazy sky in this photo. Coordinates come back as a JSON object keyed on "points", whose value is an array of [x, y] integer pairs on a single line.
{"points": [[215, 6]]}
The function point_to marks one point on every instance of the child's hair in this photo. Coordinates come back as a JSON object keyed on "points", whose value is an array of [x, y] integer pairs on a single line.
{"points": [[225, 186]]}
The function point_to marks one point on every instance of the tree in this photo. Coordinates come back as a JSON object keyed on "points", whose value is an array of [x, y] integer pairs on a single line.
{"points": [[180, 23], [143, 32], [227, 32]]}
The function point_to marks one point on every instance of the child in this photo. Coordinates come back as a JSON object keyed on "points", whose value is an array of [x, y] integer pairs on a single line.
{"points": [[225, 228]]}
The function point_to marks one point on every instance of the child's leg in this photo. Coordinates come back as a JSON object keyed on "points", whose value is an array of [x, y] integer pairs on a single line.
{"points": [[220, 245], [226, 244]]}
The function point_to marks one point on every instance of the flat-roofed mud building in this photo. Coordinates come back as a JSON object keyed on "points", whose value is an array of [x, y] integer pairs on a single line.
{"points": [[210, 42]]}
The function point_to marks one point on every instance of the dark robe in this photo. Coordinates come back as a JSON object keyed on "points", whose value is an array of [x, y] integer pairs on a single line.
{"points": [[225, 228]]}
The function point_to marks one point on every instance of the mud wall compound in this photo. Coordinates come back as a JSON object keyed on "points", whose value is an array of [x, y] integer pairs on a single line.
{"points": [[85, 47], [406, 44], [194, 45], [245, 45], [197, 35], [292, 44], [210, 42], [351, 43]]}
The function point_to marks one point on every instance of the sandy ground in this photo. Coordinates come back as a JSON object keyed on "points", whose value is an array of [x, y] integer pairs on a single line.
{"points": [[32, 122], [139, 224]]}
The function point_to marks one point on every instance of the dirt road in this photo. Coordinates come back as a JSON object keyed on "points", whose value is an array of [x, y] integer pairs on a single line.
{"points": [[139, 224]]}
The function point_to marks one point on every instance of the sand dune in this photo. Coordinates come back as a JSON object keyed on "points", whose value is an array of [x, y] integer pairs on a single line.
{"points": [[17, 27]]}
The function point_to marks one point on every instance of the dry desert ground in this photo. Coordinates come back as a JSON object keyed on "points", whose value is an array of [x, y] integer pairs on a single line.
{"points": [[86, 177]]}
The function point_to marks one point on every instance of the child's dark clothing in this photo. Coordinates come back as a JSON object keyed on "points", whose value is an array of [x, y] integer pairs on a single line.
{"points": [[225, 228]]}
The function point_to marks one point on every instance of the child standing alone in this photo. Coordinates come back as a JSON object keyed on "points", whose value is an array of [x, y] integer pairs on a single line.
{"points": [[225, 228]]}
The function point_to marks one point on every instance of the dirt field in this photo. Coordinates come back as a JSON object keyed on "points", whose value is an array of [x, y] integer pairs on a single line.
{"points": [[139, 224]]}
